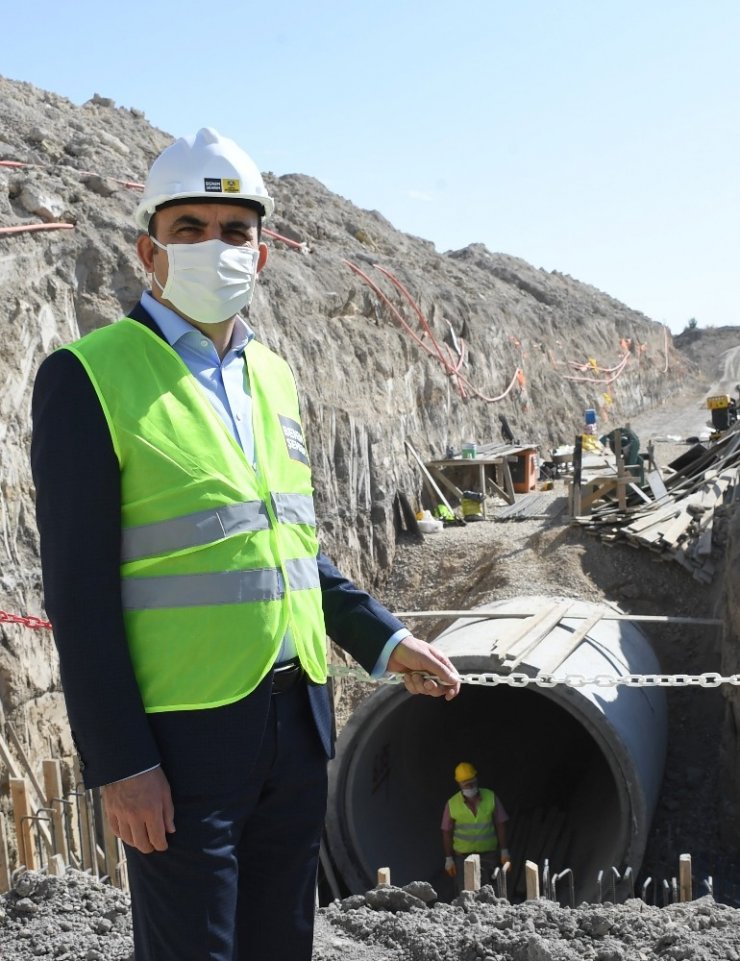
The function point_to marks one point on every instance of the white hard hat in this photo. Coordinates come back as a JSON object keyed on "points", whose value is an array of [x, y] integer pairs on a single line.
{"points": [[202, 166]]}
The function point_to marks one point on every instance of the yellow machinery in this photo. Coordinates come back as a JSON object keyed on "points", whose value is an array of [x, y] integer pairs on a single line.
{"points": [[724, 413]]}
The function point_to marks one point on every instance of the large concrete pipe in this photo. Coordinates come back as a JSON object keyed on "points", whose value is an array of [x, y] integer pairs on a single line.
{"points": [[578, 769]]}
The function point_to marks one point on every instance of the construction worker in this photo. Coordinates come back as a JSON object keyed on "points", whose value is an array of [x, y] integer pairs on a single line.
{"points": [[189, 601], [473, 822]]}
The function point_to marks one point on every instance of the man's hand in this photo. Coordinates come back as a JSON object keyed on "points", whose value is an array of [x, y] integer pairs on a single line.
{"points": [[140, 810], [450, 867], [414, 658], [505, 857]]}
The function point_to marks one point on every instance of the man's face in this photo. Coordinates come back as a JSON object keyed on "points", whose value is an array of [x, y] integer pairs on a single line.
{"points": [[193, 223], [471, 785]]}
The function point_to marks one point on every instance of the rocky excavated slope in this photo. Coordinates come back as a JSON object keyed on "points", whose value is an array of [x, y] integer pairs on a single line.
{"points": [[367, 378]]}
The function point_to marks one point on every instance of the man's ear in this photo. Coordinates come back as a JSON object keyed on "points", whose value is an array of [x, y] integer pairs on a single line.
{"points": [[262, 259], [145, 249]]}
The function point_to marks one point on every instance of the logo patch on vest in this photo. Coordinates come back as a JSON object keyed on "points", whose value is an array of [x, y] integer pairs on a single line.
{"points": [[294, 439], [217, 185]]}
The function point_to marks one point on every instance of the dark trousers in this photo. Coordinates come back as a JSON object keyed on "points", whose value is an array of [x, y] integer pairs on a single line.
{"points": [[237, 882]]}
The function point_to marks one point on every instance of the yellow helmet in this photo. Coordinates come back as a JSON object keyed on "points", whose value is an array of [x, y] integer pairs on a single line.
{"points": [[465, 772]]}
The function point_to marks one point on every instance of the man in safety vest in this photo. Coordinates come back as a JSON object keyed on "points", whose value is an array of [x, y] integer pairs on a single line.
{"points": [[473, 822], [189, 599]]}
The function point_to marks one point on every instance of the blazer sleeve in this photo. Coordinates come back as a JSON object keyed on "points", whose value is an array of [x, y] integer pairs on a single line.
{"points": [[357, 622], [78, 509]]}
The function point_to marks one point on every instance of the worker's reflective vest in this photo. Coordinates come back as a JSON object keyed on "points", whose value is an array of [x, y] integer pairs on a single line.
{"points": [[218, 560], [474, 833]]}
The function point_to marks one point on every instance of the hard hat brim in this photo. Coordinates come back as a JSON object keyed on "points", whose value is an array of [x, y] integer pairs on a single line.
{"points": [[146, 209]]}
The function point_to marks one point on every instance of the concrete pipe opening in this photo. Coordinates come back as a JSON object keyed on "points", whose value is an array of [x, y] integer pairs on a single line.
{"points": [[578, 769]]}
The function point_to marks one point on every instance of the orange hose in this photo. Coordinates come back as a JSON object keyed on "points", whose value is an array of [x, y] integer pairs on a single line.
{"points": [[285, 240], [595, 380], [25, 228], [463, 384]]}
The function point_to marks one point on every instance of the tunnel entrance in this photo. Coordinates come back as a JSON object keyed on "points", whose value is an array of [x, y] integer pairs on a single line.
{"points": [[576, 769]]}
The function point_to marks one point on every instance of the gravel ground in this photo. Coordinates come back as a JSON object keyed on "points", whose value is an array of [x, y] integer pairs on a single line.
{"points": [[76, 918]]}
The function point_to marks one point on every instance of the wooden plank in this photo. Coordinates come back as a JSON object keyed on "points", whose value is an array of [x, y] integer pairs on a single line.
{"points": [[501, 646], [640, 493], [703, 546], [684, 878], [529, 641], [595, 489], [439, 475], [23, 823], [482, 486], [88, 845], [112, 853], [384, 875], [54, 799], [575, 507], [25, 763], [656, 484], [57, 866], [8, 760], [408, 515], [619, 454], [508, 481], [562, 652], [532, 874], [5, 871], [471, 867], [430, 480], [499, 491]]}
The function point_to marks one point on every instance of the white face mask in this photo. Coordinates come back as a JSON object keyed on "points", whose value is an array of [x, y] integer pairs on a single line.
{"points": [[470, 791], [209, 281]]}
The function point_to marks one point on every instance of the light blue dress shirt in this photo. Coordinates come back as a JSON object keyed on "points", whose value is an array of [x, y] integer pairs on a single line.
{"points": [[228, 391]]}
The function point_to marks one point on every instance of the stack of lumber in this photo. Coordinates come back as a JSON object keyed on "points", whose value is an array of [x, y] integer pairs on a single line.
{"points": [[678, 519]]}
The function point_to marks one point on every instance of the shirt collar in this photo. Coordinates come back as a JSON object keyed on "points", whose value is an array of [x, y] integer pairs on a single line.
{"points": [[174, 327]]}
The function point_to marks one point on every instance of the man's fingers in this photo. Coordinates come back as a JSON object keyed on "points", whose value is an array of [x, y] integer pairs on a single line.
{"points": [[155, 831], [414, 659], [140, 810], [140, 839]]}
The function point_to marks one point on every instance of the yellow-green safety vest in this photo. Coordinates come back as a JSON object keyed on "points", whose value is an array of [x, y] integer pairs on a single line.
{"points": [[217, 560], [474, 833]]}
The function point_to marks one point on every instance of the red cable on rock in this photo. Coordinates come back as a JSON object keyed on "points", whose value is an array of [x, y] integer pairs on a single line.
{"points": [[396, 313], [297, 244], [452, 370], [463, 384], [594, 380], [25, 228]]}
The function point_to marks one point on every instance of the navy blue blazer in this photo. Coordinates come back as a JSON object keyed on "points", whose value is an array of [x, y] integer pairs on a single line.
{"points": [[78, 507]]}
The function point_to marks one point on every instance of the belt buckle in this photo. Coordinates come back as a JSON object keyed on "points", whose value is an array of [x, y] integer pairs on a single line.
{"points": [[284, 678]]}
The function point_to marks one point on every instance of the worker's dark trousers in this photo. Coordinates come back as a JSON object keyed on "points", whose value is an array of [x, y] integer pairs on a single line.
{"points": [[237, 882]]}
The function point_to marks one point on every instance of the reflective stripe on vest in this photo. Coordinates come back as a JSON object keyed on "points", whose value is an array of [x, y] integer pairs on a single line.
{"points": [[229, 587], [218, 559], [473, 833], [202, 527]]}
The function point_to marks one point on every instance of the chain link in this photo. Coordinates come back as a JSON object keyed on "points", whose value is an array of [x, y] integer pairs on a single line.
{"points": [[36, 623], [547, 680], [491, 679]]}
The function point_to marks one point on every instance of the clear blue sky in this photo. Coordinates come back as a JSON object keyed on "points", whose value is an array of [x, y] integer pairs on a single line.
{"points": [[594, 137]]}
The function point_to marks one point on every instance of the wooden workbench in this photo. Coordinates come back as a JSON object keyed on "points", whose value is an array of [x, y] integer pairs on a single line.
{"points": [[497, 456]]}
